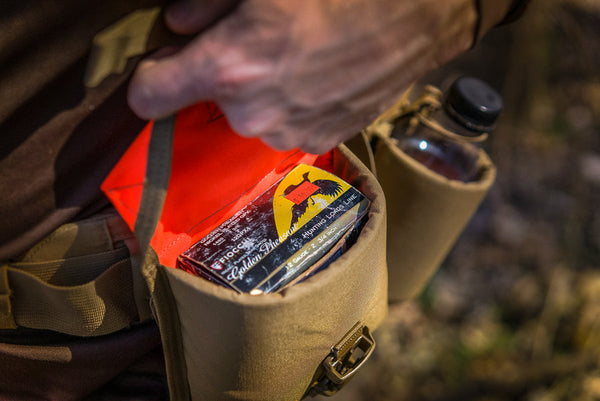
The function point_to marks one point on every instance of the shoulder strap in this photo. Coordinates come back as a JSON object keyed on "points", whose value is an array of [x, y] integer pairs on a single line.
{"points": [[158, 172], [148, 283]]}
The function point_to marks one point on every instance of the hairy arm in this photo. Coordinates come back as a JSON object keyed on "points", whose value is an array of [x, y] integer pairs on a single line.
{"points": [[305, 73]]}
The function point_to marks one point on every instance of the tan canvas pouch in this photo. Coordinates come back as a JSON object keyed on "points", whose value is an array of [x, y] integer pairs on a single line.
{"points": [[426, 215], [426, 211], [221, 345]]}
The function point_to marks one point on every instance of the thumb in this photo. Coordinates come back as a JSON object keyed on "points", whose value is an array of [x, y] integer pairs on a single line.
{"points": [[161, 86]]}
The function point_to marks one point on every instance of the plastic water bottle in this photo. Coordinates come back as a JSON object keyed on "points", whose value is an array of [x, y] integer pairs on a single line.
{"points": [[443, 130]]}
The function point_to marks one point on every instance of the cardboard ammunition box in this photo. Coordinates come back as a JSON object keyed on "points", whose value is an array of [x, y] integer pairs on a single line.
{"points": [[298, 225]]}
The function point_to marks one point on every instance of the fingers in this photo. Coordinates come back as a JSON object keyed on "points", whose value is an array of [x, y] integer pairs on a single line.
{"points": [[191, 16], [168, 82], [162, 86], [320, 144], [316, 136], [259, 64]]}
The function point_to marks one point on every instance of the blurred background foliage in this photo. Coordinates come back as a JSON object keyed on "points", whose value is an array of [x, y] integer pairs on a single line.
{"points": [[514, 311]]}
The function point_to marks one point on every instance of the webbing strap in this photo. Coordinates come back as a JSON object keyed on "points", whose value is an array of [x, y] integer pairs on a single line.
{"points": [[95, 308], [158, 171]]}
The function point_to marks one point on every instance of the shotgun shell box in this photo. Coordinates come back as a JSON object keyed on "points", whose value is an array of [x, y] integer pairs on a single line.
{"points": [[283, 235]]}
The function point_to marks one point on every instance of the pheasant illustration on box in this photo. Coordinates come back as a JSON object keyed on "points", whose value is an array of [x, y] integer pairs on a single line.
{"points": [[294, 229]]}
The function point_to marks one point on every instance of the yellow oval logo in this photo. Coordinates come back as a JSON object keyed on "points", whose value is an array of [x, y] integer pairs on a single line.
{"points": [[301, 195]]}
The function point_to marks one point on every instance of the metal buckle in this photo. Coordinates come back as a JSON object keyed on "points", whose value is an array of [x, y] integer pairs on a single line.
{"points": [[343, 362]]}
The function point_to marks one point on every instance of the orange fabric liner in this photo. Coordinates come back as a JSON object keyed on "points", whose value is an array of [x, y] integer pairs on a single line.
{"points": [[214, 173]]}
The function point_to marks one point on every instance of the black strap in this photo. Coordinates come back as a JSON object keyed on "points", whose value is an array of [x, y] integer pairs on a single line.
{"points": [[158, 171]]}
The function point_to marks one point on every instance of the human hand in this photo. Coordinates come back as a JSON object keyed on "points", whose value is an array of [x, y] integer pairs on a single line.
{"points": [[301, 73]]}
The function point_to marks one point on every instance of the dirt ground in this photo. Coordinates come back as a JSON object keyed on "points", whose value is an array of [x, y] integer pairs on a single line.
{"points": [[514, 311]]}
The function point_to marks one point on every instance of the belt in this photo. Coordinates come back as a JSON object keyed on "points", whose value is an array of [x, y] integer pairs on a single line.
{"points": [[78, 280]]}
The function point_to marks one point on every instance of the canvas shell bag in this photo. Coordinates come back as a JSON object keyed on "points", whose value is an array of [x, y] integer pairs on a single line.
{"points": [[426, 211], [218, 344]]}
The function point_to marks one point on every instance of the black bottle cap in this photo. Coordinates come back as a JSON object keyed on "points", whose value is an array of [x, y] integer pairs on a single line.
{"points": [[473, 104]]}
